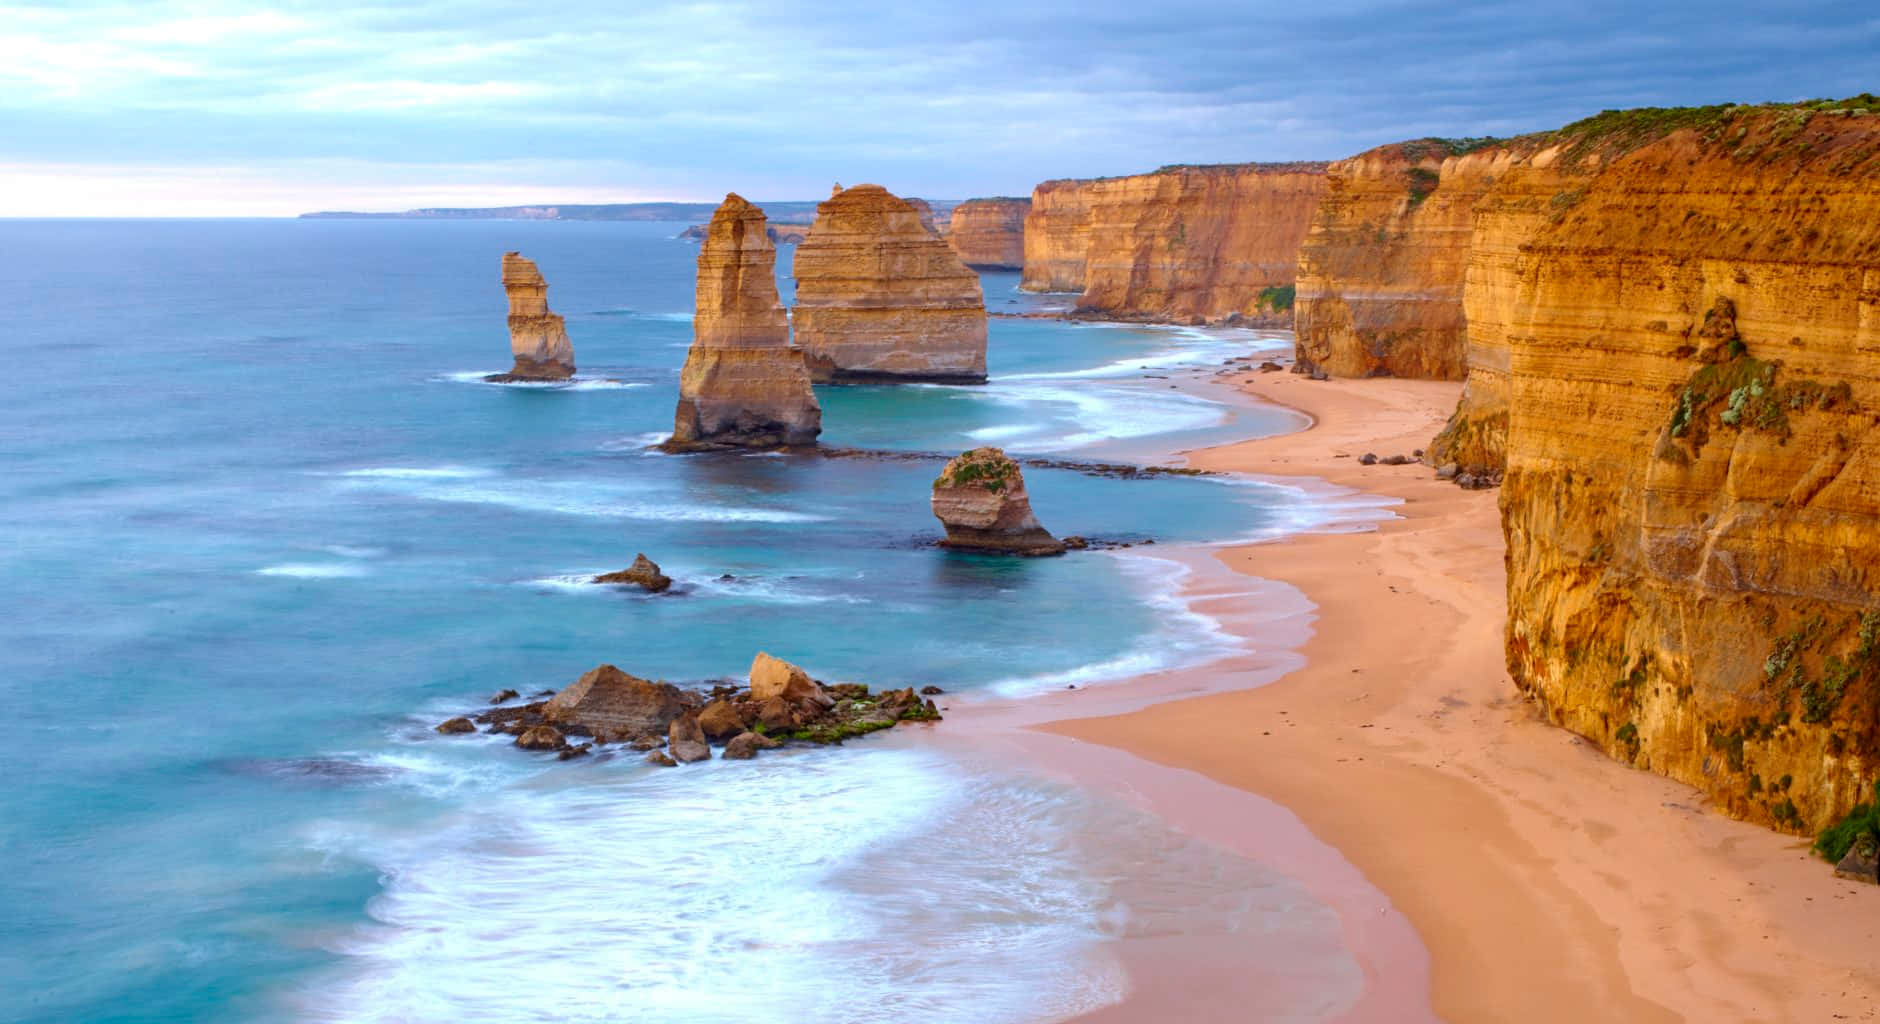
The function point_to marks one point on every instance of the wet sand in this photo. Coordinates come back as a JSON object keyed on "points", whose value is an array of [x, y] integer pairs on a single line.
{"points": [[1395, 759]]}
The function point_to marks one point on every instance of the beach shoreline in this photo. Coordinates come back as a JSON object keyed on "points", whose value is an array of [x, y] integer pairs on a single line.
{"points": [[1544, 880]]}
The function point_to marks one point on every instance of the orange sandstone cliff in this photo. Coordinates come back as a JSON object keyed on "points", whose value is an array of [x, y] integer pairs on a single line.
{"points": [[1381, 270], [1183, 244], [1688, 341], [743, 384], [537, 338], [989, 234], [880, 297]]}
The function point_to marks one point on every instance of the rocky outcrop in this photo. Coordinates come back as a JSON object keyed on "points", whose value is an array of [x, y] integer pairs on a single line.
{"points": [[879, 297], [537, 338], [980, 498], [614, 705], [989, 234], [643, 573], [1183, 244], [1382, 268], [744, 385], [1691, 339], [783, 703]]}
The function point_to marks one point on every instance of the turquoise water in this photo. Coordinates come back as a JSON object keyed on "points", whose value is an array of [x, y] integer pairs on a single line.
{"points": [[263, 525]]}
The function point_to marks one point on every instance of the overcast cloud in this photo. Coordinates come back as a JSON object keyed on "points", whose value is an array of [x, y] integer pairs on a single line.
{"points": [[224, 108]]}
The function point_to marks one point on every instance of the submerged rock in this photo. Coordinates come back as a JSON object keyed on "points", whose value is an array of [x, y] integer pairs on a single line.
{"points": [[541, 737], [745, 746], [644, 572], [537, 338], [744, 385], [457, 726], [980, 498]]}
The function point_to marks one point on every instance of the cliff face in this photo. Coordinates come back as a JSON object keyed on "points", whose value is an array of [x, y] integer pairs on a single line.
{"points": [[989, 234], [537, 338], [743, 384], [1057, 233], [1184, 244], [1692, 503], [879, 297], [1382, 268]]}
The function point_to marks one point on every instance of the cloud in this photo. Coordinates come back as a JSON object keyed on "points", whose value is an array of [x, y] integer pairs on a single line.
{"points": [[973, 97]]}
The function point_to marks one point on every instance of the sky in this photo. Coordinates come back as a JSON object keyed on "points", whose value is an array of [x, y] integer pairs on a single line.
{"points": [[250, 109]]}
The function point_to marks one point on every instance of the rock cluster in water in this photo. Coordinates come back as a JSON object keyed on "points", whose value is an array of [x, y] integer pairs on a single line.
{"points": [[880, 297], [743, 385], [980, 498], [537, 338], [781, 704]]}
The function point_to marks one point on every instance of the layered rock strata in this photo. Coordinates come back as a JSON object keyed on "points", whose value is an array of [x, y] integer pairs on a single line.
{"points": [[880, 297], [980, 498], [1382, 268], [743, 385], [538, 339], [1183, 244], [1691, 342], [989, 234]]}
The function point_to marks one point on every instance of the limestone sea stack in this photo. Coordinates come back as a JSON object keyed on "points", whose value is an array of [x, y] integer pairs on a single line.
{"points": [[980, 498], [989, 234], [537, 338], [743, 385], [880, 297]]}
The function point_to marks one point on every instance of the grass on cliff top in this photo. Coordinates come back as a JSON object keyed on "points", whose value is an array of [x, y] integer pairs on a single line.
{"points": [[1421, 149], [979, 467], [1616, 132]]}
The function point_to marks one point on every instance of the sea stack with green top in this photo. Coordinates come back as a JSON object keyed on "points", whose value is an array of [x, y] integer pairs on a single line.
{"points": [[980, 498]]}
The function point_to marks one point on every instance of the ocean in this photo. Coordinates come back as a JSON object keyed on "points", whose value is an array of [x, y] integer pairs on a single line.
{"points": [[263, 525]]}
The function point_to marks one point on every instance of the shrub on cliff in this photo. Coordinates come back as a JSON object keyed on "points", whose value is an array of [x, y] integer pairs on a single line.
{"points": [[1863, 820]]}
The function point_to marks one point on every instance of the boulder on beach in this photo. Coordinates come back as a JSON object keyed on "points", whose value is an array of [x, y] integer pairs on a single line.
{"points": [[721, 720], [644, 572], [980, 498], [775, 677], [617, 706]]}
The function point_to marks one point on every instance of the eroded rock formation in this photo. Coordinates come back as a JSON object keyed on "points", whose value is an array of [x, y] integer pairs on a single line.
{"points": [[1183, 244], [989, 234], [880, 297], [980, 498], [743, 385], [1691, 339], [1381, 271], [644, 573], [537, 338]]}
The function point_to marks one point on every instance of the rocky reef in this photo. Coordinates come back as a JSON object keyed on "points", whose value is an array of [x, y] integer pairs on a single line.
{"points": [[643, 573], [980, 498], [1689, 346], [1382, 268], [880, 297], [744, 385], [537, 338], [1183, 244], [782, 704], [989, 234]]}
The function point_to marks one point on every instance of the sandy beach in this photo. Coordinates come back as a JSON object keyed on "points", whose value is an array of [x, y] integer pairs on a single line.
{"points": [[1545, 881]]}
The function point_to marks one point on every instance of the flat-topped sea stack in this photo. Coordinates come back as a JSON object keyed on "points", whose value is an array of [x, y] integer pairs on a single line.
{"points": [[881, 298], [537, 338], [980, 498], [744, 385], [989, 234], [1188, 244]]}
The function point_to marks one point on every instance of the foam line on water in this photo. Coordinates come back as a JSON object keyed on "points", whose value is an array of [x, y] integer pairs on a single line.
{"points": [[575, 498], [579, 382], [722, 892], [312, 571]]}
